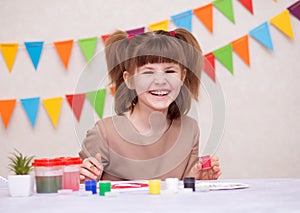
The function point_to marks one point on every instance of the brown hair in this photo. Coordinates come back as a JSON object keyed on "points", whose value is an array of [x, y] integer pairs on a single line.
{"points": [[126, 52]]}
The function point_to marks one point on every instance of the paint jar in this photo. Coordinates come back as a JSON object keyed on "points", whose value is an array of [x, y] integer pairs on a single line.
{"points": [[71, 175], [189, 182], [104, 186], [205, 161], [48, 175], [91, 185], [154, 186], [172, 184]]}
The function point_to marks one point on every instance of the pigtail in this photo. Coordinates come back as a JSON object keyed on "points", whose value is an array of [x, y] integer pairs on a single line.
{"points": [[115, 48], [194, 62], [115, 52]]}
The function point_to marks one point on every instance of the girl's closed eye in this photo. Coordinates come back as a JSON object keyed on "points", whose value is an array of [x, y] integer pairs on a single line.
{"points": [[147, 72], [170, 71]]}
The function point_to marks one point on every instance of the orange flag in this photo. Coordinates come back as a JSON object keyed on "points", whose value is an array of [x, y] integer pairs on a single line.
{"points": [[9, 52], [205, 14], [283, 22], [64, 49], [241, 47], [112, 90], [6, 109], [76, 103], [162, 25]]}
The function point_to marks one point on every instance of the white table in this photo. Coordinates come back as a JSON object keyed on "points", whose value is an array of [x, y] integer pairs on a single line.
{"points": [[263, 195]]}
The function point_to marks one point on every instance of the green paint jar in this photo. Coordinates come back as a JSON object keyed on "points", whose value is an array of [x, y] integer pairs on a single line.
{"points": [[104, 186], [48, 175]]}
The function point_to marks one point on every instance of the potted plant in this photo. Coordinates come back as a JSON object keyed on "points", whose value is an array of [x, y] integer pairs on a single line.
{"points": [[20, 184]]}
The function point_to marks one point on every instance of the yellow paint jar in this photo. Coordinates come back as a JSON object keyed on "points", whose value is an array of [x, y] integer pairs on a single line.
{"points": [[154, 186]]}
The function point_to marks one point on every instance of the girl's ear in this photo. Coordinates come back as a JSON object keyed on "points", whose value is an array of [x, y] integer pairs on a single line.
{"points": [[128, 80]]}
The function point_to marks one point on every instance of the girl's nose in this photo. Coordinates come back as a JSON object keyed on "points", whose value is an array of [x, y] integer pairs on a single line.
{"points": [[159, 78]]}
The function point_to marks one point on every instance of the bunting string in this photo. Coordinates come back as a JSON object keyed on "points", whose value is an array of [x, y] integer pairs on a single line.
{"points": [[204, 14]]}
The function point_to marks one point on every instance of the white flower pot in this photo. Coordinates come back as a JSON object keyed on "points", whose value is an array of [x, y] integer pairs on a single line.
{"points": [[20, 185]]}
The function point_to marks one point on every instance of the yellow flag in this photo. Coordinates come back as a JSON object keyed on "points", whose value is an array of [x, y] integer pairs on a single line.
{"points": [[53, 107], [9, 52], [283, 22], [162, 25]]}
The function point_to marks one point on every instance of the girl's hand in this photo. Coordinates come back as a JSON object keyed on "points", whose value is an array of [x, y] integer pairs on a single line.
{"points": [[212, 173], [91, 168]]}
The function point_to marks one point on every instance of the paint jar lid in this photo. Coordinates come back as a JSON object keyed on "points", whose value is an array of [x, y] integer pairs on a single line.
{"points": [[46, 162], [67, 161]]}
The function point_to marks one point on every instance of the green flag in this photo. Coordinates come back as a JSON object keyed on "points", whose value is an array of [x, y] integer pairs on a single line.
{"points": [[225, 7], [97, 99], [224, 55], [88, 46]]}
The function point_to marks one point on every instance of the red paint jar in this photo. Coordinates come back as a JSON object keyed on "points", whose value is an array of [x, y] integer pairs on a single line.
{"points": [[71, 174]]}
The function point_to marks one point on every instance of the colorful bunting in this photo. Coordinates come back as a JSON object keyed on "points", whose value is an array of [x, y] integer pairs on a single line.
{"points": [[205, 15], [162, 25], [295, 10], [247, 4], [224, 55], [76, 103], [31, 107], [88, 46], [241, 47], [209, 66], [64, 49], [105, 37], [183, 20], [283, 22], [6, 109], [9, 52], [34, 50], [97, 99], [225, 7], [112, 90], [262, 35], [53, 107], [136, 31]]}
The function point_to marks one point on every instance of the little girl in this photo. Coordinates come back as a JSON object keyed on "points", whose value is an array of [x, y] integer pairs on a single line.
{"points": [[156, 74]]}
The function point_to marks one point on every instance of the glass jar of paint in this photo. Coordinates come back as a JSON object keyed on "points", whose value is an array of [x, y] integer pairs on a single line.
{"points": [[48, 175], [71, 174]]}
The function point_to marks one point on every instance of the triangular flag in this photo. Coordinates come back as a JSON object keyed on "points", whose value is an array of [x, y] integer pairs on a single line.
{"points": [[31, 107], [136, 31], [9, 52], [262, 35], [112, 90], [34, 50], [225, 7], [241, 47], [283, 22], [6, 109], [64, 49], [53, 108], [247, 4], [205, 15], [224, 55], [295, 10], [162, 25], [97, 99], [209, 66], [88, 46], [76, 103], [183, 20], [105, 37]]}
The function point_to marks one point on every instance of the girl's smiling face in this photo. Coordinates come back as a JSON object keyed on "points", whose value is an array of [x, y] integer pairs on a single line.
{"points": [[156, 84]]}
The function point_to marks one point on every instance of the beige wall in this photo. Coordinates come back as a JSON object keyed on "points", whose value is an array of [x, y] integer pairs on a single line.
{"points": [[260, 138]]}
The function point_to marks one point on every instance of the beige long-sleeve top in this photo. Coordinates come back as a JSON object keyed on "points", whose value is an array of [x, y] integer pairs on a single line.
{"points": [[128, 155]]}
